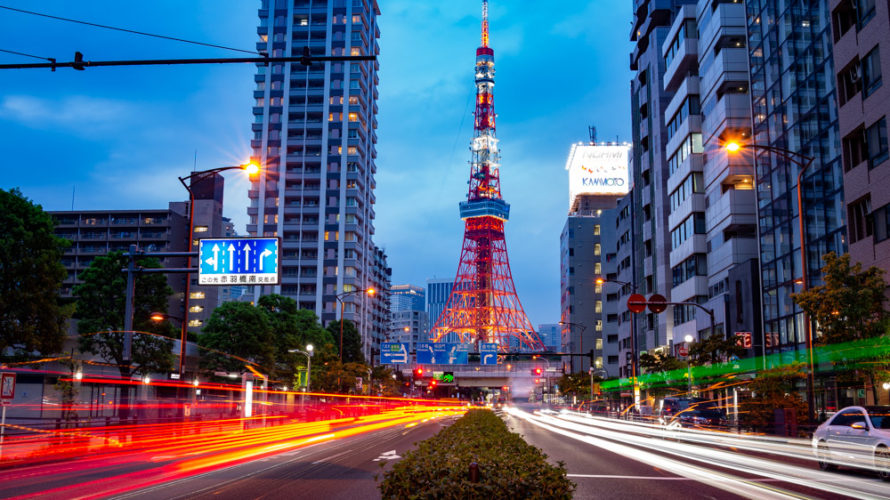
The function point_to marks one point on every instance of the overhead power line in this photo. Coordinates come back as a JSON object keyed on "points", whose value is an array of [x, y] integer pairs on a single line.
{"points": [[50, 59], [164, 37]]}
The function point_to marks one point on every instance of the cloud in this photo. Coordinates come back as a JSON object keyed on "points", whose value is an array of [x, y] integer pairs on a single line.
{"points": [[77, 113]]}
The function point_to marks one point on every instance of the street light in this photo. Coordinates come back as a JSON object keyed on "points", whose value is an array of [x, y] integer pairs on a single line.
{"points": [[803, 162], [580, 339], [308, 354], [689, 340], [252, 169], [340, 296]]}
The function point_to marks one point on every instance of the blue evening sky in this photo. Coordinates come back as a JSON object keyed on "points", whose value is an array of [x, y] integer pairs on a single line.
{"points": [[117, 138]]}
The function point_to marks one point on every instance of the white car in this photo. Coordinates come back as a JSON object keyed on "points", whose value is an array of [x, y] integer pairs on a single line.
{"points": [[856, 435]]}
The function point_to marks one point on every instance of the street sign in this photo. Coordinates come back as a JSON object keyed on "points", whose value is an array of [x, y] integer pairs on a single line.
{"points": [[488, 353], [448, 377], [682, 351], [441, 353], [393, 353], [657, 303], [238, 261], [7, 388], [636, 303]]}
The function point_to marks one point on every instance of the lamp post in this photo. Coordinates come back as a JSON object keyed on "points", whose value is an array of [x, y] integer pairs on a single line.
{"points": [[633, 338], [252, 169], [803, 162], [688, 340], [340, 296], [580, 338], [308, 354]]}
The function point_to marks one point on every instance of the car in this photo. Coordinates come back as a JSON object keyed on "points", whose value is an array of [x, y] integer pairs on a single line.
{"points": [[707, 418], [672, 406], [860, 433]]}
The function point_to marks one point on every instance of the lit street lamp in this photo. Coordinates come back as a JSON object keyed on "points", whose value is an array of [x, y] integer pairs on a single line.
{"points": [[803, 163], [252, 170], [308, 354], [340, 296]]}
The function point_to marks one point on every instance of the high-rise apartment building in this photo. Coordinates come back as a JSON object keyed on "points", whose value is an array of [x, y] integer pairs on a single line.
{"points": [[551, 336], [94, 233], [794, 106], [437, 292], [711, 217], [861, 35], [315, 135], [409, 320], [598, 178], [653, 22]]}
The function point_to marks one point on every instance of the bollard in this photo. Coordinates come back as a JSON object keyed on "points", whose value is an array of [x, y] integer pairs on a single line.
{"points": [[474, 472]]}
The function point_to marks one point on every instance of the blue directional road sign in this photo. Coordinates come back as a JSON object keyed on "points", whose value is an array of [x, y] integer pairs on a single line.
{"points": [[393, 353], [241, 261], [488, 353], [440, 353]]}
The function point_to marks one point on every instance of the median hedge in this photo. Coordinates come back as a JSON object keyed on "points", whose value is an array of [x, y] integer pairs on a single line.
{"points": [[508, 467]]}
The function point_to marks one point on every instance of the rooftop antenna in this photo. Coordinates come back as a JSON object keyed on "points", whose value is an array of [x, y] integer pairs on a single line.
{"points": [[485, 23]]}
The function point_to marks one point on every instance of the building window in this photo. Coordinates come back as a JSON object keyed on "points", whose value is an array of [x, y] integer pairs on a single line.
{"points": [[860, 221], [196, 295], [854, 149], [597, 249], [866, 10], [881, 223], [596, 230], [876, 142], [871, 72], [196, 309], [195, 323]]}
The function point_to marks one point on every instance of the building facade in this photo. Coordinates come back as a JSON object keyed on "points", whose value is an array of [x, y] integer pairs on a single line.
{"points": [[315, 135], [437, 292], [794, 107], [551, 336], [409, 320], [861, 35], [653, 23]]}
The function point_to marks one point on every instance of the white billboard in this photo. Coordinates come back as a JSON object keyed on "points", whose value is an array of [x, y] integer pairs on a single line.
{"points": [[598, 170]]}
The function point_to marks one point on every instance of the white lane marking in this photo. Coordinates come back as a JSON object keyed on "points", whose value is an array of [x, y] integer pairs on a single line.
{"points": [[609, 476], [387, 455]]}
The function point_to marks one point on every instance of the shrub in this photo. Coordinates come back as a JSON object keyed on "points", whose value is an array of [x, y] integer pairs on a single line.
{"points": [[509, 468]]}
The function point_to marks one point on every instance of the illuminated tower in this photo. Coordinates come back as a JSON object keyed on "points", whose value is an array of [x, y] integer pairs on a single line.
{"points": [[483, 305]]}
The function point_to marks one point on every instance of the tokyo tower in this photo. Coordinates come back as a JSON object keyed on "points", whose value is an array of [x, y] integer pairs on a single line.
{"points": [[483, 305]]}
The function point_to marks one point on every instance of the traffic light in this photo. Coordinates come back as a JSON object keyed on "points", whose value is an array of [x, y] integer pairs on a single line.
{"points": [[418, 372], [433, 383], [537, 371]]}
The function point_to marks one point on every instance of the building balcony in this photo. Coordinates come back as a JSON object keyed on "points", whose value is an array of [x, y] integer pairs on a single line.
{"points": [[697, 243], [692, 163], [697, 285], [684, 63], [690, 86], [691, 125], [735, 207], [694, 203], [732, 252], [722, 168]]}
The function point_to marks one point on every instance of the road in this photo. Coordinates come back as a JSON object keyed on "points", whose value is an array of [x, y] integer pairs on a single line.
{"points": [[341, 462], [609, 459], [343, 469]]}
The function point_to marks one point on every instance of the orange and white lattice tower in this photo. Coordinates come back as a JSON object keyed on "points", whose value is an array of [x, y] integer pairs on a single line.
{"points": [[483, 305]]}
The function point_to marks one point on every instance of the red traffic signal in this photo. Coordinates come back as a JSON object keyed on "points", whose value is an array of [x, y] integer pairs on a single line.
{"points": [[537, 371], [418, 372], [433, 383]]}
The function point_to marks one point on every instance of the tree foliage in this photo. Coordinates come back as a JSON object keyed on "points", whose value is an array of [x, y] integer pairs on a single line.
{"points": [[660, 362], [771, 390], [31, 274], [577, 384], [292, 328], [100, 308], [715, 349], [241, 330], [849, 306], [352, 341]]}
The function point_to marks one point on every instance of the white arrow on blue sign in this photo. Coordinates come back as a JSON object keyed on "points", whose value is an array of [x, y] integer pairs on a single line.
{"points": [[238, 261]]}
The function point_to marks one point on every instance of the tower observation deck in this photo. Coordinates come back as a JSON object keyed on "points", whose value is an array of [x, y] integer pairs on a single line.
{"points": [[483, 305]]}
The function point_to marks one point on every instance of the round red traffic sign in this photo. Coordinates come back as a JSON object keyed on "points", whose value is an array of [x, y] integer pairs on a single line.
{"points": [[657, 303], [682, 351], [636, 303]]}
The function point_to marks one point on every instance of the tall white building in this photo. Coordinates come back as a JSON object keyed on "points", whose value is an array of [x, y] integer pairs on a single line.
{"points": [[315, 135]]}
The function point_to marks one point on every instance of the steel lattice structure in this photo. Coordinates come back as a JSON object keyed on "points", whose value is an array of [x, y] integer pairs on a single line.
{"points": [[483, 305]]}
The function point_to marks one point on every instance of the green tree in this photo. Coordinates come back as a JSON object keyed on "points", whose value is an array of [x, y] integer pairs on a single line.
{"points": [[31, 274], [659, 362], [100, 312], [352, 341], [577, 384], [714, 349], [771, 390], [237, 330], [849, 306]]}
